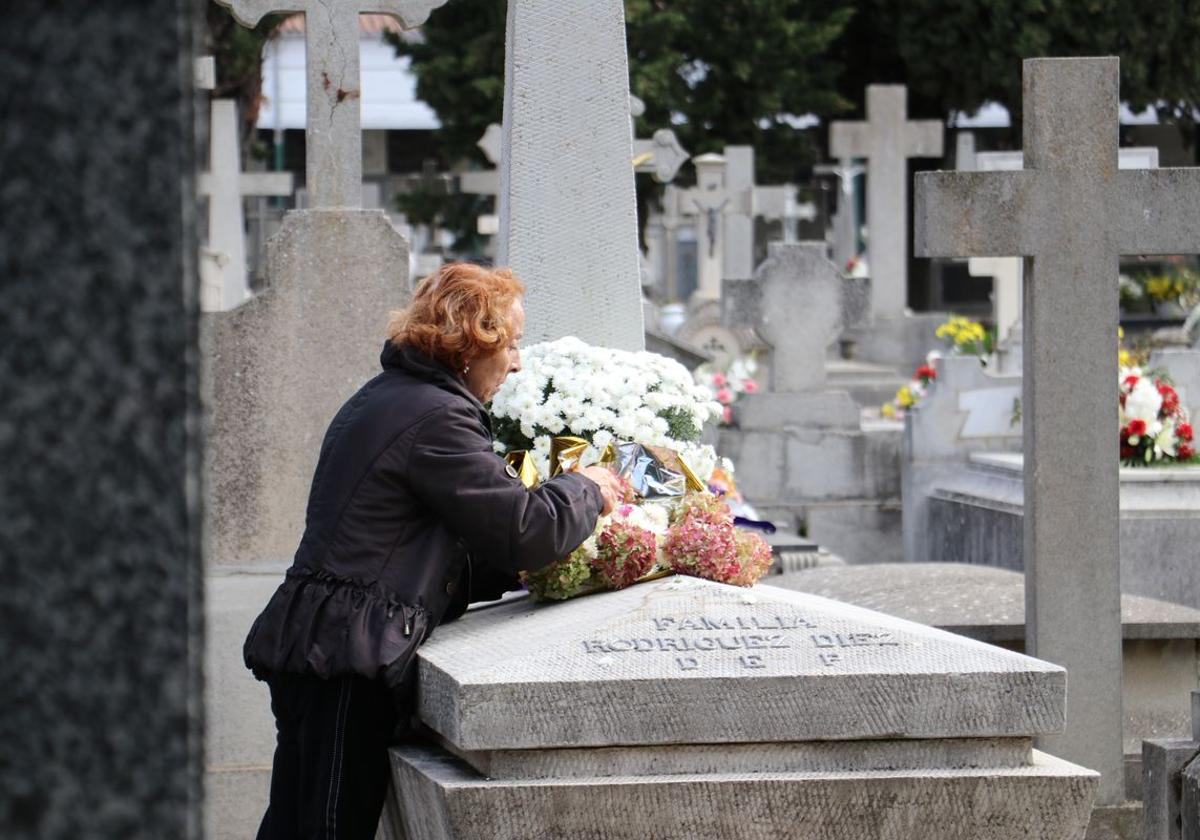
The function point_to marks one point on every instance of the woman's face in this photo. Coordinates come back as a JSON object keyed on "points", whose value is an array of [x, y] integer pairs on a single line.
{"points": [[485, 374]]}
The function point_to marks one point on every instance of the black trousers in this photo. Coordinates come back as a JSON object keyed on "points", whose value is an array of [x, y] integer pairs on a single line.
{"points": [[330, 773]]}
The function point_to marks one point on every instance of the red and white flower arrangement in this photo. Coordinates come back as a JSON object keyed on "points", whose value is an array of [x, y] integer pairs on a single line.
{"points": [[1155, 427]]}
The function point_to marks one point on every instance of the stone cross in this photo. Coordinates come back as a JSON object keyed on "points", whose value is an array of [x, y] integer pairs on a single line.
{"points": [[334, 124], [1006, 288], [1071, 214], [777, 203], [887, 139], [226, 186], [568, 212]]}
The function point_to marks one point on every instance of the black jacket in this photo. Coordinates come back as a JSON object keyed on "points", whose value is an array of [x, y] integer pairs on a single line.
{"points": [[411, 515]]}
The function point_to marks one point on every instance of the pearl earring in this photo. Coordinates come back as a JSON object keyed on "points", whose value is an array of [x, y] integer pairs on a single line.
{"points": [[466, 370]]}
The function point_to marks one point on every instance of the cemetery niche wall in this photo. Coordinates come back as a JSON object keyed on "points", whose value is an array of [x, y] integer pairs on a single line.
{"points": [[772, 713]]}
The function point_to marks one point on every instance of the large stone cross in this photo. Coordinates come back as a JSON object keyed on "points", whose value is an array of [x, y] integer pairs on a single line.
{"points": [[224, 286], [1071, 213], [887, 139], [712, 201], [334, 123]]}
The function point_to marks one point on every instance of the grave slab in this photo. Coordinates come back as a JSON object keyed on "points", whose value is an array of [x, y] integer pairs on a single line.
{"points": [[684, 708], [791, 667], [976, 514]]}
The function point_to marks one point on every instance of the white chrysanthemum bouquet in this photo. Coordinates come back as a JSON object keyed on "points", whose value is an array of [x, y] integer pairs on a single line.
{"points": [[567, 387], [643, 404]]}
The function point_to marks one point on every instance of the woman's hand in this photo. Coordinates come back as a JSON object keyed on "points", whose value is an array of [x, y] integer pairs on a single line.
{"points": [[609, 484]]}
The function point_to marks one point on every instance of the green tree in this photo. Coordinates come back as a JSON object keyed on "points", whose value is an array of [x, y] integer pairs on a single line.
{"points": [[238, 53], [956, 56]]}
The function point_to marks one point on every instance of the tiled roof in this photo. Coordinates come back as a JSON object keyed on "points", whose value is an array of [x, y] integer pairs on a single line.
{"points": [[367, 24]]}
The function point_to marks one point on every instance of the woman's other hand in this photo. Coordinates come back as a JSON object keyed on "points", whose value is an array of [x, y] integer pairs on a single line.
{"points": [[609, 484]]}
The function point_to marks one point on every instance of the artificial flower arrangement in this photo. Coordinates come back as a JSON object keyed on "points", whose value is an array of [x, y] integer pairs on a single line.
{"points": [[573, 405], [729, 383], [1155, 427]]}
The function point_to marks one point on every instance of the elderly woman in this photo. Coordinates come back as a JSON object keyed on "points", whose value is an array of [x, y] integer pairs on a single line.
{"points": [[410, 517]]}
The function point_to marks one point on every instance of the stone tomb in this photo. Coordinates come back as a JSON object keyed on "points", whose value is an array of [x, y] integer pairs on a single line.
{"points": [[684, 709], [1160, 640]]}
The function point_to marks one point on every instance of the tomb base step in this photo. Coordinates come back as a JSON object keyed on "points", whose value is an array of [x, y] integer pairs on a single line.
{"points": [[442, 798]]}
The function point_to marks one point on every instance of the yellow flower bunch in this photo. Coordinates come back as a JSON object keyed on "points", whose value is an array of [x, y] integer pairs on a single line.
{"points": [[1166, 288], [963, 332], [905, 397]]}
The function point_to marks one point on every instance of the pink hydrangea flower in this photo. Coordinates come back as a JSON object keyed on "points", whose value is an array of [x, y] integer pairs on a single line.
{"points": [[624, 552]]}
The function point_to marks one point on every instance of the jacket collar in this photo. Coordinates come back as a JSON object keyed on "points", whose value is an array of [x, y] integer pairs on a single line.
{"points": [[409, 359]]}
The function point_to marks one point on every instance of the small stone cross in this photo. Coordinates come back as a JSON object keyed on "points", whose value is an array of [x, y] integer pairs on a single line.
{"points": [[225, 285], [887, 139], [334, 119], [1071, 213]]}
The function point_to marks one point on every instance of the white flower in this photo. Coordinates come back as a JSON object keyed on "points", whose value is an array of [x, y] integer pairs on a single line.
{"points": [[1143, 402]]}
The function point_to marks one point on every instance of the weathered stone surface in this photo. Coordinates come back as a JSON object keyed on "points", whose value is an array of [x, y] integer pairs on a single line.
{"points": [[100, 679], [802, 757], [975, 515], [887, 139], [800, 313], [1189, 806], [1160, 652], [791, 667], [278, 368], [863, 530], [982, 602], [568, 214], [1163, 763], [1073, 213], [968, 410], [1048, 799]]}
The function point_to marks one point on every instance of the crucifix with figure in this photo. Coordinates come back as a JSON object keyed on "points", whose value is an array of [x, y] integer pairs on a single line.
{"points": [[887, 140], [1071, 213], [334, 134]]}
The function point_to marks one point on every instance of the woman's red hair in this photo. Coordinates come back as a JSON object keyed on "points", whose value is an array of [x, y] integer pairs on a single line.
{"points": [[460, 312]]}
